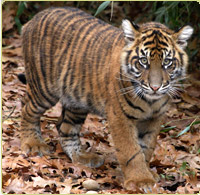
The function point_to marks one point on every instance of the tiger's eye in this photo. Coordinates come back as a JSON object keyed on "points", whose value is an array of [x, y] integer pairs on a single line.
{"points": [[143, 61], [167, 62]]}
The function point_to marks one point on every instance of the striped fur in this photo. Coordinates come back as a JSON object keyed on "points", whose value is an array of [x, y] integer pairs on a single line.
{"points": [[127, 75]]}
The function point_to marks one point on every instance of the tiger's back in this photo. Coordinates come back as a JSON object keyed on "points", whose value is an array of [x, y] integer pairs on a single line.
{"points": [[127, 75], [69, 52]]}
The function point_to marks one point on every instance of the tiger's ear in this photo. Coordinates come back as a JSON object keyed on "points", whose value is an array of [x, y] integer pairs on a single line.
{"points": [[130, 30], [183, 35]]}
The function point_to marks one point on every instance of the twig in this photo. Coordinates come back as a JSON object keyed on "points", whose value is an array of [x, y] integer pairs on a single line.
{"points": [[10, 114], [195, 117], [112, 5]]}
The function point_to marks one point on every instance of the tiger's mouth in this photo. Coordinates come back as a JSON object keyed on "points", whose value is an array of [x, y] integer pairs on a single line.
{"points": [[153, 95], [145, 91], [148, 93]]}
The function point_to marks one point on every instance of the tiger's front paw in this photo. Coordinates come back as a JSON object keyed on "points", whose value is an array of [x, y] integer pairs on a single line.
{"points": [[35, 146], [144, 185], [89, 159]]}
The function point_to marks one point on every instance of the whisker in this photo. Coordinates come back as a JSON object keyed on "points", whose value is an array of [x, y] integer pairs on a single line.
{"points": [[123, 79], [174, 92], [125, 75], [180, 79], [132, 90], [127, 88]]}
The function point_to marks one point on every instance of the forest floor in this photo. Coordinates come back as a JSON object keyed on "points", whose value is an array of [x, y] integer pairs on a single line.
{"points": [[176, 158]]}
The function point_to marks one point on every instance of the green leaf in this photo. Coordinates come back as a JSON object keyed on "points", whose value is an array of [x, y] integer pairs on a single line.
{"points": [[184, 131], [188, 128], [198, 152], [20, 9], [183, 166], [162, 176], [102, 7], [196, 122], [18, 23], [167, 129]]}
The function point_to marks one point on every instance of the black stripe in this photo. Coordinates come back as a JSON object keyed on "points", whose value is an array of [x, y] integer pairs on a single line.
{"points": [[89, 99], [33, 111], [76, 120], [181, 57], [60, 19], [104, 46], [43, 58], [37, 80], [133, 58], [121, 84], [76, 91], [129, 116], [141, 134], [166, 38], [69, 145], [149, 42], [67, 38], [72, 135], [127, 56], [74, 46], [132, 158], [156, 48], [82, 67], [124, 112], [142, 52], [150, 102], [148, 36], [67, 121], [143, 146], [77, 111], [29, 121], [39, 103], [132, 105], [137, 50], [27, 112], [162, 43], [92, 27], [157, 111]]}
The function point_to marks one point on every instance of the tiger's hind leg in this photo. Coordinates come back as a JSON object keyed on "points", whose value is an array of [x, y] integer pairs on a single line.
{"points": [[69, 126], [30, 134]]}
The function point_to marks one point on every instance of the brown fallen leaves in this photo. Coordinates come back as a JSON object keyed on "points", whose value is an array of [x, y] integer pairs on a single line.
{"points": [[176, 159]]}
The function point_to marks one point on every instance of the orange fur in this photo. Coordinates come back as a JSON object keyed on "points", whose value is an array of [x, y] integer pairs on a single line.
{"points": [[93, 67]]}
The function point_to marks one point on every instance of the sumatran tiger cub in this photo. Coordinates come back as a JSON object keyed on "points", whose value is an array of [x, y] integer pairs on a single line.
{"points": [[127, 74]]}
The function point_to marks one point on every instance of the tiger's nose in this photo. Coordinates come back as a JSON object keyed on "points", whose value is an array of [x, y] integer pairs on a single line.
{"points": [[155, 87]]}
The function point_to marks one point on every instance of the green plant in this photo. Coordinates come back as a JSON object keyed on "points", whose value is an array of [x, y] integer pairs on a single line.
{"points": [[21, 7], [166, 129], [102, 7], [174, 14], [185, 170], [194, 122]]}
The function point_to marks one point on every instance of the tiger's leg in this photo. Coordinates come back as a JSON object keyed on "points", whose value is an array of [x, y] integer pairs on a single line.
{"points": [[30, 134], [129, 153], [69, 126], [147, 135]]}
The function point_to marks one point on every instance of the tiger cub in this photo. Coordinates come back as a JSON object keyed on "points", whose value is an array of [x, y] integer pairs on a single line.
{"points": [[127, 74]]}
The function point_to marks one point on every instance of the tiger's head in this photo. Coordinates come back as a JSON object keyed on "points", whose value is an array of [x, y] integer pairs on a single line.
{"points": [[154, 59]]}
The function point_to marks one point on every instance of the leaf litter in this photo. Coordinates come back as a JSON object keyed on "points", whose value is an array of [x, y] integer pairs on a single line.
{"points": [[176, 158]]}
